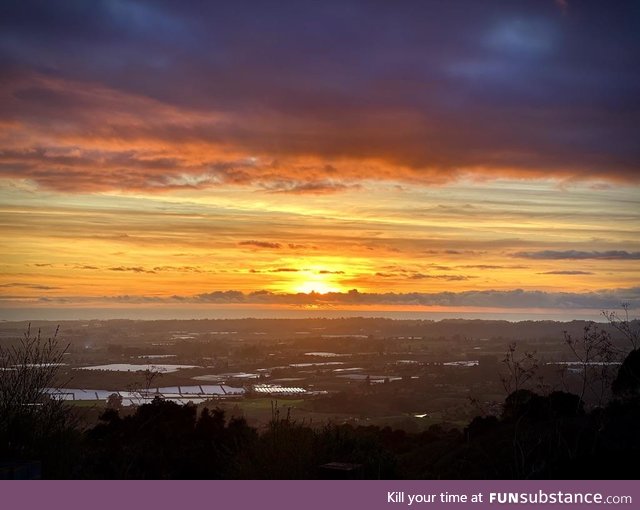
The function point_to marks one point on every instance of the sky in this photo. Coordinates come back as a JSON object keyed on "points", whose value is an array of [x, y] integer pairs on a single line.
{"points": [[439, 156]]}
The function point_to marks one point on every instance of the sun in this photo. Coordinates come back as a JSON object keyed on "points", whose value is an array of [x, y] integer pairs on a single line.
{"points": [[317, 286], [311, 277]]}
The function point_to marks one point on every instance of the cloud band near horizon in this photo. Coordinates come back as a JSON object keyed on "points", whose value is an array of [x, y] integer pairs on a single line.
{"points": [[606, 299]]}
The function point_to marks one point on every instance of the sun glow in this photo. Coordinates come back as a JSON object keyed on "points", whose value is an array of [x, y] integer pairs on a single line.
{"points": [[318, 286], [320, 277]]}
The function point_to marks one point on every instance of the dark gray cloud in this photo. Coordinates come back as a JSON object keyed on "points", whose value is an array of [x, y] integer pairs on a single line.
{"points": [[135, 269], [605, 299], [222, 297], [447, 277], [260, 244], [178, 269], [491, 266], [578, 255], [412, 275]]}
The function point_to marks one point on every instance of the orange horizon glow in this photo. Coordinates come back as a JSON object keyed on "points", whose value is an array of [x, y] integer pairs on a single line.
{"points": [[99, 247], [464, 174]]}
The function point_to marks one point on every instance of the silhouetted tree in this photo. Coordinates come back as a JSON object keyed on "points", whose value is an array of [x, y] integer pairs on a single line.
{"points": [[627, 382], [624, 326], [35, 424], [594, 353], [519, 369]]}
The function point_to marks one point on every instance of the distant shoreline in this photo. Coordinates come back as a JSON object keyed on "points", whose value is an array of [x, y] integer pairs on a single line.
{"points": [[152, 314]]}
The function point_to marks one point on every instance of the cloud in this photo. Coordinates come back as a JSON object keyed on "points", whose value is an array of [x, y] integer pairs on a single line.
{"points": [[136, 269], [563, 5], [578, 255], [440, 267], [491, 266], [453, 252], [447, 277], [605, 299], [507, 299], [160, 96], [292, 270], [261, 244], [222, 297], [178, 269], [421, 276], [320, 187], [567, 272], [28, 286]]}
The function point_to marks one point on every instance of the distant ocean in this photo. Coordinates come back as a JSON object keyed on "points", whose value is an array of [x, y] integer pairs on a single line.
{"points": [[159, 313]]}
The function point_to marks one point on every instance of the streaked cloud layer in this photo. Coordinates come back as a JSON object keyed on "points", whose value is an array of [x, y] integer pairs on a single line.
{"points": [[579, 255], [485, 151], [313, 96]]}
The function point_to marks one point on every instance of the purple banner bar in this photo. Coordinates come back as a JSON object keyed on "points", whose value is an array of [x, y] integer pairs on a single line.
{"points": [[318, 495]]}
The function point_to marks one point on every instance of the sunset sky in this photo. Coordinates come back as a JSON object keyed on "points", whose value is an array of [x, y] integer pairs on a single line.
{"points": [[436, 155]]}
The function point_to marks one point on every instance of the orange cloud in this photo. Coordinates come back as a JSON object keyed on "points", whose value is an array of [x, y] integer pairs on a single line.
{"points": [[75, 136]]}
